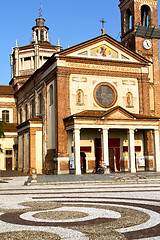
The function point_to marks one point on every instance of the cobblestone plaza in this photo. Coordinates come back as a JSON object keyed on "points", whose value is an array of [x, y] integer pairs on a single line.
{"points": [[79, 211]]}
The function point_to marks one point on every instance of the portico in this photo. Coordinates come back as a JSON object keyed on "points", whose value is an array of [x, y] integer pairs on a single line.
{"points": [[124, 124]]}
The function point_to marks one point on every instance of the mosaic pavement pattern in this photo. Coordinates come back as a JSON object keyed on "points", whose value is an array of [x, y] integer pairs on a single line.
{"points": [[79, 212]]}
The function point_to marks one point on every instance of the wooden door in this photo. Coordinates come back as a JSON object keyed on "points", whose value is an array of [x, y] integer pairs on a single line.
{"points": [[98, 152], [111, 159], [115, 144], [9, 163]]}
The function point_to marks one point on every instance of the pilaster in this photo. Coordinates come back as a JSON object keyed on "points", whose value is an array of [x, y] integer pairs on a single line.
{"points": [[156, 149]]}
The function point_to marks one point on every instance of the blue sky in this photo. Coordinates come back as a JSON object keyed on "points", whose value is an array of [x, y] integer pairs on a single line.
{"points": [[72, 21]]}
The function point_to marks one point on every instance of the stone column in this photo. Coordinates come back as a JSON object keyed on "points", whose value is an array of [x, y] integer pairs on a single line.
{"points": [[76, 138], [105, 154], [156, 149], [131, 151]]}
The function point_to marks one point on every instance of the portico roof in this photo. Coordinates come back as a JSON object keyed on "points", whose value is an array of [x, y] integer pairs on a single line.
{"points": [[102, 114], [116, 117]]}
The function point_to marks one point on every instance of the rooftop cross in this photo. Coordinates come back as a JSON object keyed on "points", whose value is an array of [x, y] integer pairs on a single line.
{"points": [[103, 29], [40, 10]]}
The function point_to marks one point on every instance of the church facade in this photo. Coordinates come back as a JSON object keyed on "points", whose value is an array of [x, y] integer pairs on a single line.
{"points": [[91, 105]]}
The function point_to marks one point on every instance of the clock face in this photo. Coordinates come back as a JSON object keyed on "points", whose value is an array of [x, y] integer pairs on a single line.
{"points": [[147, 44]]}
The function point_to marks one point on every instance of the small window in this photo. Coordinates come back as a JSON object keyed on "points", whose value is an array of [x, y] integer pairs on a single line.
{"points": [[5, 116], [128, 20], [51, 95], [42, 35], [8, 152], [145, 16], [27, 63], [20, 115], [26, 111], [33, 108], [37, 34], [40, 103]]}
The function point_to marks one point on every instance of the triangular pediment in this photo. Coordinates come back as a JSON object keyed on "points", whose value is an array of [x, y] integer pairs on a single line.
{"points": [[118, 113], [103, 47]]}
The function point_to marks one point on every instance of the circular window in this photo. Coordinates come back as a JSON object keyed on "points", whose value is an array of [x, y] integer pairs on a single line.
{"points": [[105, 95]]}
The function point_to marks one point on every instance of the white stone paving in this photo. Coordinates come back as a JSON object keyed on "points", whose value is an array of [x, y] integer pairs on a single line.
{"points": [[148, 192], [97, 213], [153, 221], [64, 233], [152, 238]]}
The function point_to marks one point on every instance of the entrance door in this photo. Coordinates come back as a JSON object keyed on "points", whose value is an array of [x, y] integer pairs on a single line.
{"points": [[9, 163], [111, 159], [83, 162], [98, 152], [114, 144]]}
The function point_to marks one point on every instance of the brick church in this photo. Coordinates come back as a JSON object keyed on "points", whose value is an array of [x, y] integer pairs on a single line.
{"points": [[91, 105]]}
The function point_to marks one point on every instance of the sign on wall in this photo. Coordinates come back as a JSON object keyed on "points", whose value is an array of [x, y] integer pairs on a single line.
{"points": [[141, 161], [71, 163]]}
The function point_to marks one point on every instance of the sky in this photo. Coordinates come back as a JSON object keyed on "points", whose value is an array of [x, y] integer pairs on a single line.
{"points": [[72, 21]]}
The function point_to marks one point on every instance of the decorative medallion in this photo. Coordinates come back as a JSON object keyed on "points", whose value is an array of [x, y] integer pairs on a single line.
{"points": [[105, 95]]}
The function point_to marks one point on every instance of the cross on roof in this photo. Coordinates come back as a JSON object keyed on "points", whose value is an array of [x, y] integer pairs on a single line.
{"points": [[103, 22], [40, 10]]}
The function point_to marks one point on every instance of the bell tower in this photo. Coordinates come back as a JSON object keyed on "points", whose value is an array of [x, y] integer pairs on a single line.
{"points": [[140, 32]]}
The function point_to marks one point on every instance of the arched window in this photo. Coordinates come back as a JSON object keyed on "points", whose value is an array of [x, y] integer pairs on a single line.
{"points": [[20, 115], [26, 111], [128, 20], [37, 34], [129, 99], [5, 116], [145, 16], [33, 107], [42, 35], [40, 103], [80, 97], [51, 94]]}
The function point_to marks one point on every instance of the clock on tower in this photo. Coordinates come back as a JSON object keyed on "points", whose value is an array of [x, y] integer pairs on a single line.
{"points": [[140, 32]]}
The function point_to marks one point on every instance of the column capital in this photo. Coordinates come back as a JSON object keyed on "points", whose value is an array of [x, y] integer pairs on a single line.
{"points": [[76, 128], [155, 130], [131, 130], [105, 128]]}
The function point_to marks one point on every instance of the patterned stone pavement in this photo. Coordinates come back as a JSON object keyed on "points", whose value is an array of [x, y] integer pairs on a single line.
{"points": [[79, 211]]}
